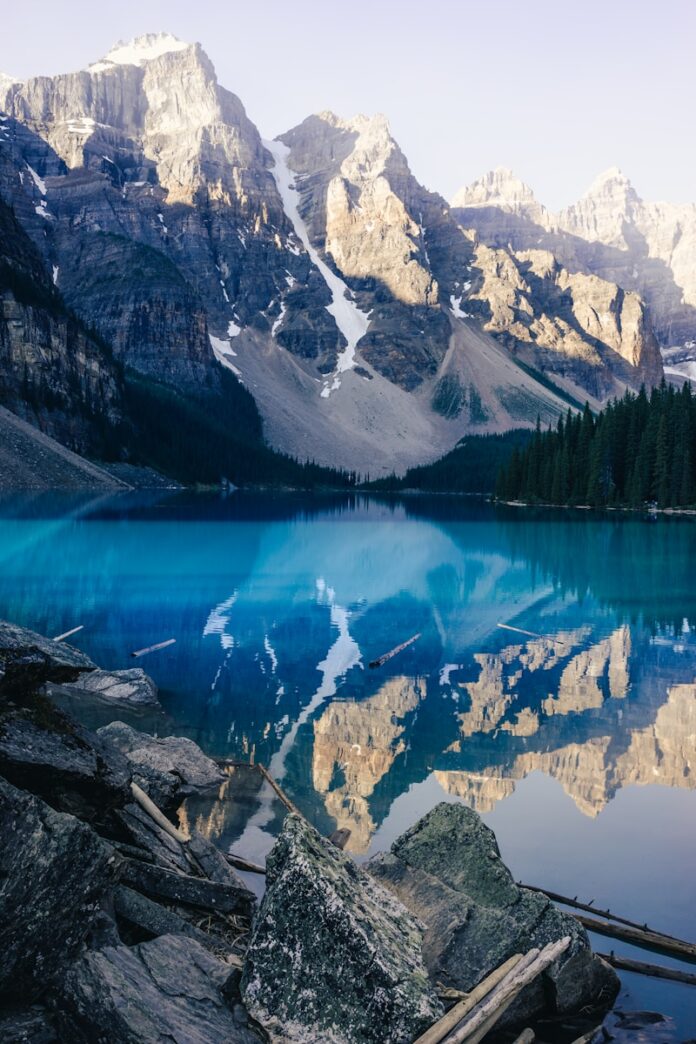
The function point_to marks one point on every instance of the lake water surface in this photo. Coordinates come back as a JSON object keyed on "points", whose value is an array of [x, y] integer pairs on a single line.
{"points": [[576, 742]]}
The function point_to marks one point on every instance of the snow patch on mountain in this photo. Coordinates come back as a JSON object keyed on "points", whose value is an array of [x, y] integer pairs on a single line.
{"points": [[139, 50], [223, 350], [352, 323], [39, 182]]}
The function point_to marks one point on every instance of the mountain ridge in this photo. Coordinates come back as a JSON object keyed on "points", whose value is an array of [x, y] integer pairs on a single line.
{"points": [[356, 306]]}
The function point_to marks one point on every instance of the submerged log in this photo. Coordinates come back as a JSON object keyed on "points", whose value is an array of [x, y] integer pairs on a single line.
{"points": [[393, 652], [153, 648], [656, 971], [527, 1036], [244, 864], [530, 634], [685, 951], [454, 1016], [68, 634]]}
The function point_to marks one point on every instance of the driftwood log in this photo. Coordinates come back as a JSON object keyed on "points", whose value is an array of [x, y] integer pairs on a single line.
{"points": [[440, 1029], [239, 863], [685, 951], [68, 634], [657, 971], [588, 908], [481, 1020], [153, 648], [393, 652]]}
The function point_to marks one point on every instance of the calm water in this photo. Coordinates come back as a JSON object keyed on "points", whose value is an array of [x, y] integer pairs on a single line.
{"points": [[580, 751]]}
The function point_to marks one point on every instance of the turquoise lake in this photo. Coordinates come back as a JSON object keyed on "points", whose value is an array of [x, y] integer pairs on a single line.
{"points": [[576, 741]]}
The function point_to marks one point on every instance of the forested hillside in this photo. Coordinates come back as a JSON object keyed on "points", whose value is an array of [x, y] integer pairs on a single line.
{"points": [[640, 449]]}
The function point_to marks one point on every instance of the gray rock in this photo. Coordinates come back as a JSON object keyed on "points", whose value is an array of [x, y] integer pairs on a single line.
{"points": [[168, 769], [44, 751], [154, 919], [447, 870], [158, 846], [132, 687], [30, 1026], [333, 957], [27, 660], [54, 872], [232, 897], [167, 990]]}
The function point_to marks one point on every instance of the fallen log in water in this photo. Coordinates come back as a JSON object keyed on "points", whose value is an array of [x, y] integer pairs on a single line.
{"points": [[530, 634], [483, 1018], [685, 951], [589, 908], [393, 652], [153, 648], [67, 634], [240, 863], [440, 1029], [279, 791], [656, 971]]}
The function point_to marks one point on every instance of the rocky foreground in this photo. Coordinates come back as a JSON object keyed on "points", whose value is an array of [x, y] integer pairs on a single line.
{"points": [[118, 926]]}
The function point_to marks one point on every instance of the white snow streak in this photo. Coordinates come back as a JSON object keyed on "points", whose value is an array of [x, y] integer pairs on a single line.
{"points": [[56, 270], [352, 323], [39, 182], [456, 306], [279, 320]]}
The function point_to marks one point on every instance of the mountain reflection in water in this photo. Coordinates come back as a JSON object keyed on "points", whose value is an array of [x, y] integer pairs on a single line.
{"points": [[577, 742]]}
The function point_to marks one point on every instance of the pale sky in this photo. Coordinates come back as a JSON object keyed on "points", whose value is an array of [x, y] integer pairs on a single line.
{"points": [[558, 91]]}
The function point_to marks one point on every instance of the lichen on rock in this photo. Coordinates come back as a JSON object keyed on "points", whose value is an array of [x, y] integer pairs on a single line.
{"points": [[448, 871], [333, 956]]}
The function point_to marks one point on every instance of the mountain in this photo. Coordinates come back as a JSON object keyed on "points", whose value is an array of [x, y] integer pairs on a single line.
{"points": [[647, 249], [372, 324]]}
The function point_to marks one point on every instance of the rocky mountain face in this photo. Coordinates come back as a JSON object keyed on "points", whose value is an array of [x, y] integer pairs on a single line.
{"points": [[646, 249], [373, 324], [53, 370]]}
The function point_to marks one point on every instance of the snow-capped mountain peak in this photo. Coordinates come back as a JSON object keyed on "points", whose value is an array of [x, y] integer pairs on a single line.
{"points": [[140, 50]]}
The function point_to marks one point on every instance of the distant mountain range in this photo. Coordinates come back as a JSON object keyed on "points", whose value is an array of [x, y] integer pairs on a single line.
{"points": [[149, 234]]}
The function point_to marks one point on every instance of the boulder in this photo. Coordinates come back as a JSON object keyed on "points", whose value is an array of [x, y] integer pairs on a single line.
{"points": [[167, 769], [45, 752], [27, 660], [448, 871], [168, 989], [54, 872], [333, 956], [133, 687]]}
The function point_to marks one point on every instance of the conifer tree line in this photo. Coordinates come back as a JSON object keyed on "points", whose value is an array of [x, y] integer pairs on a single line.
{"points": [[640, 449]]}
